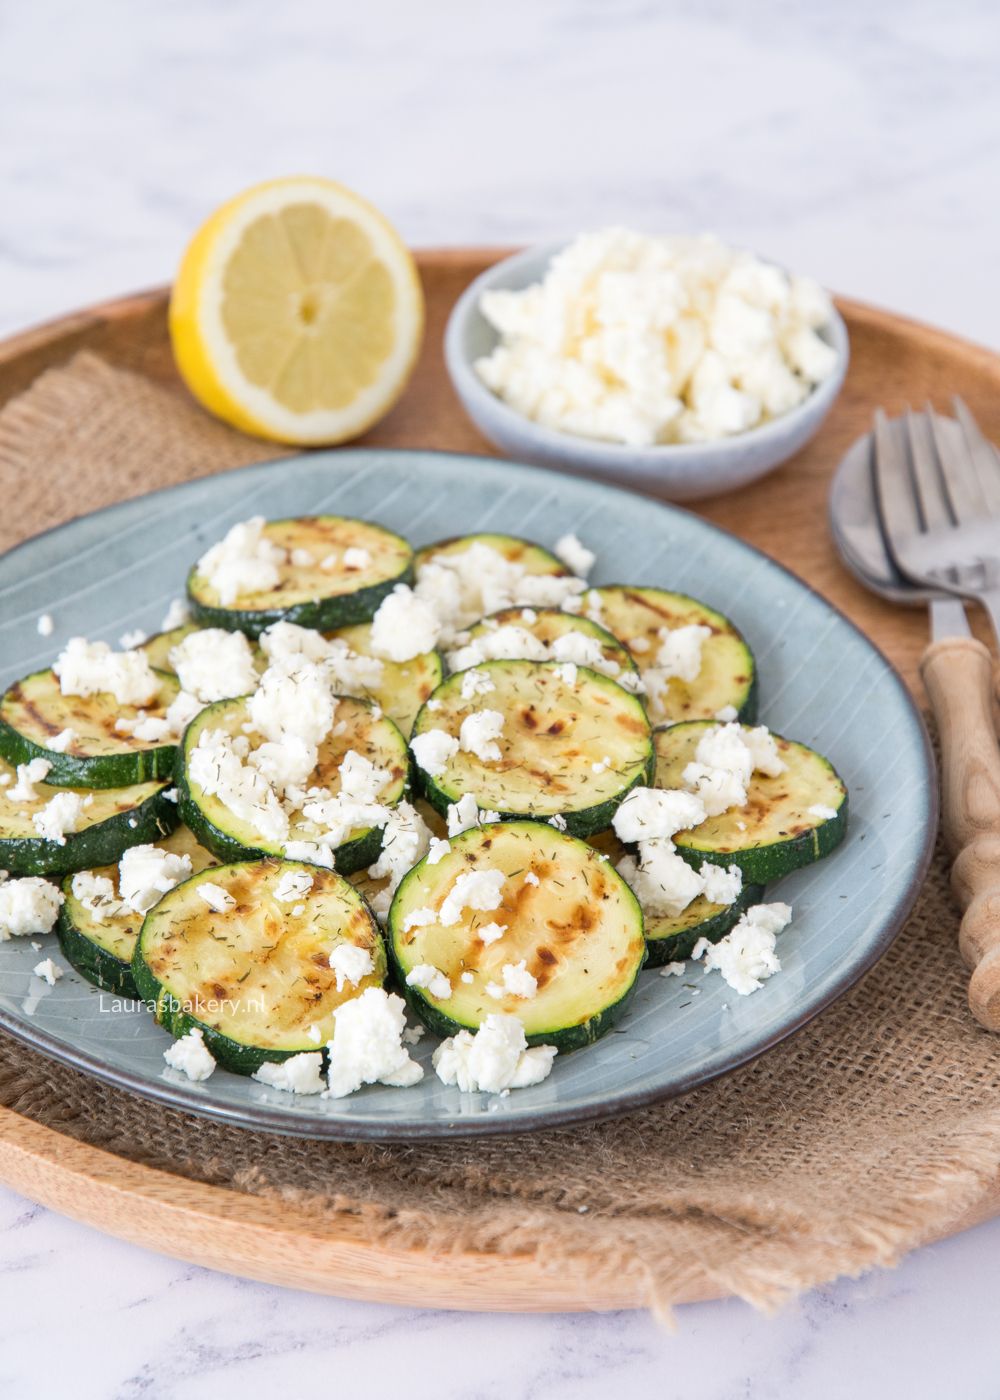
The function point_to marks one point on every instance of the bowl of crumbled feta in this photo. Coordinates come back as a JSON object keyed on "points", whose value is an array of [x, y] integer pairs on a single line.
{"points": [[676, 364]]}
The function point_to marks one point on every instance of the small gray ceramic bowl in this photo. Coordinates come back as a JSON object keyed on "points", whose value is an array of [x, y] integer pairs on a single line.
{"points": [[684, 472]]}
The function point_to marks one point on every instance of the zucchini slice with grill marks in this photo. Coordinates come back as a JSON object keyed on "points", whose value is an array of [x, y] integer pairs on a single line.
{"points": [[611, 658], [112, 820], [671, 937], [101, 948], [34, 711], [232, 837], [573, 744], [565, 913], [728, 673], [788, 821], [333, 589], [405, 685], [531, 557], [256, 977], [161, 644]]}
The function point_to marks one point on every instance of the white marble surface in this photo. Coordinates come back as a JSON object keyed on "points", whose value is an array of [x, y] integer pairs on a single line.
{"points": [[858, 142]]}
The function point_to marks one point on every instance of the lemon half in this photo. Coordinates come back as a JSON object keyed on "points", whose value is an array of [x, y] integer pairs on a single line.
{"points": [[297, 312]]}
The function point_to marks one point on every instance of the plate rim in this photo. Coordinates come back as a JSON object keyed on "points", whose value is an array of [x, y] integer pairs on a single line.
{"points": [[261, 1118]]}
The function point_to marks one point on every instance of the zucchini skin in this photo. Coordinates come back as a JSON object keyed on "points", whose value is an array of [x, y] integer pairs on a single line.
{"points": [[566, 1039], [322, 614], [677, 947], [90, 960], [169, 1013], [347, 859], [104, 843], [764, 864], [583, 823], [495, 540], [109, 770]]}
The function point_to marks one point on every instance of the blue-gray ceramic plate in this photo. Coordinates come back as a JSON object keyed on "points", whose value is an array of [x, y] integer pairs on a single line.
{"points": [[821, 682]]}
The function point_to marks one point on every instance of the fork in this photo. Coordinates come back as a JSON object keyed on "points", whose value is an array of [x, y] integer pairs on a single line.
{"points": [[927, 490]]}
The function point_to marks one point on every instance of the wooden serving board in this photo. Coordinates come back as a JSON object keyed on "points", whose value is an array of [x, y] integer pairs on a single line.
{"points": [[893, 362]]}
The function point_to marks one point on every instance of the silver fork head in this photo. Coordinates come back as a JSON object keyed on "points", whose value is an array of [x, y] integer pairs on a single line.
{"points": [[934, 512]]}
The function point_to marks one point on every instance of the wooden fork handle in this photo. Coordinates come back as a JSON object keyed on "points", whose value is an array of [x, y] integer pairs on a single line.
{"points": [[958, 676]]}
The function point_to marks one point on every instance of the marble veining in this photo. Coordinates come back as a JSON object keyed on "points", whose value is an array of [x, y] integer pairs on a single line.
{"points": [[857, 142]]}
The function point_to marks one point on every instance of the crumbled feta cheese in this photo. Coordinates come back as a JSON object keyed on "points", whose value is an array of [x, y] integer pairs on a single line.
{"points": [[576, 556], [476, 683], [128, 641], [217, 899], [299, 1074], [356, 558], [722, 885], [479, 733], [213, 664], [28, 905], [92, 668], [60, 817], [405, 840], [517, 981], [313, 852], [727, 714], [826, 814], [182, 709], [438, 848], [493, 1060], [491, 933], [367, 1044], [558, 821], [764, 752], [351, 964], [531, 878], [292, 885], [567, 672], [663, 882], [190, 1055], [640, 645], [404, 626], [28, 774], [651, 812], [473, 889], [673, 969], [177, 615], [45, 625], [245, 561], [217, 766], [60, 742], [315, 1034], [647, 340], [467, 977], [301, 558], [721, 769], [433, 750], [582, 650], [601, 766], [679, 654], [146, 873], [296, 704], [746, 957], [507, 643], [429, 979], [96, 893], [48, 971], [420, 918], [460, 588]]}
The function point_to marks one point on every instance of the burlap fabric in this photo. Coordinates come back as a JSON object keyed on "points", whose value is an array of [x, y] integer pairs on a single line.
{"points": [[869, 1131]]}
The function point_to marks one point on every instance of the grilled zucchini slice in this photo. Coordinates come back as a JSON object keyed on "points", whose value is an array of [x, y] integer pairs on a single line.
{"points": [[231, 838], [405, 685], [531, 557], [101, 949], [556, 736], [113, 820], [728, 674], [256, 977], [671, 938], [309, 594], [34, 710], [786, 822], [549, 624], [566, 913]]}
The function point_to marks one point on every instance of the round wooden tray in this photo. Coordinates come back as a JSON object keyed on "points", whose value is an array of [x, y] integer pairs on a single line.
{"points": [[894, 361]]}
